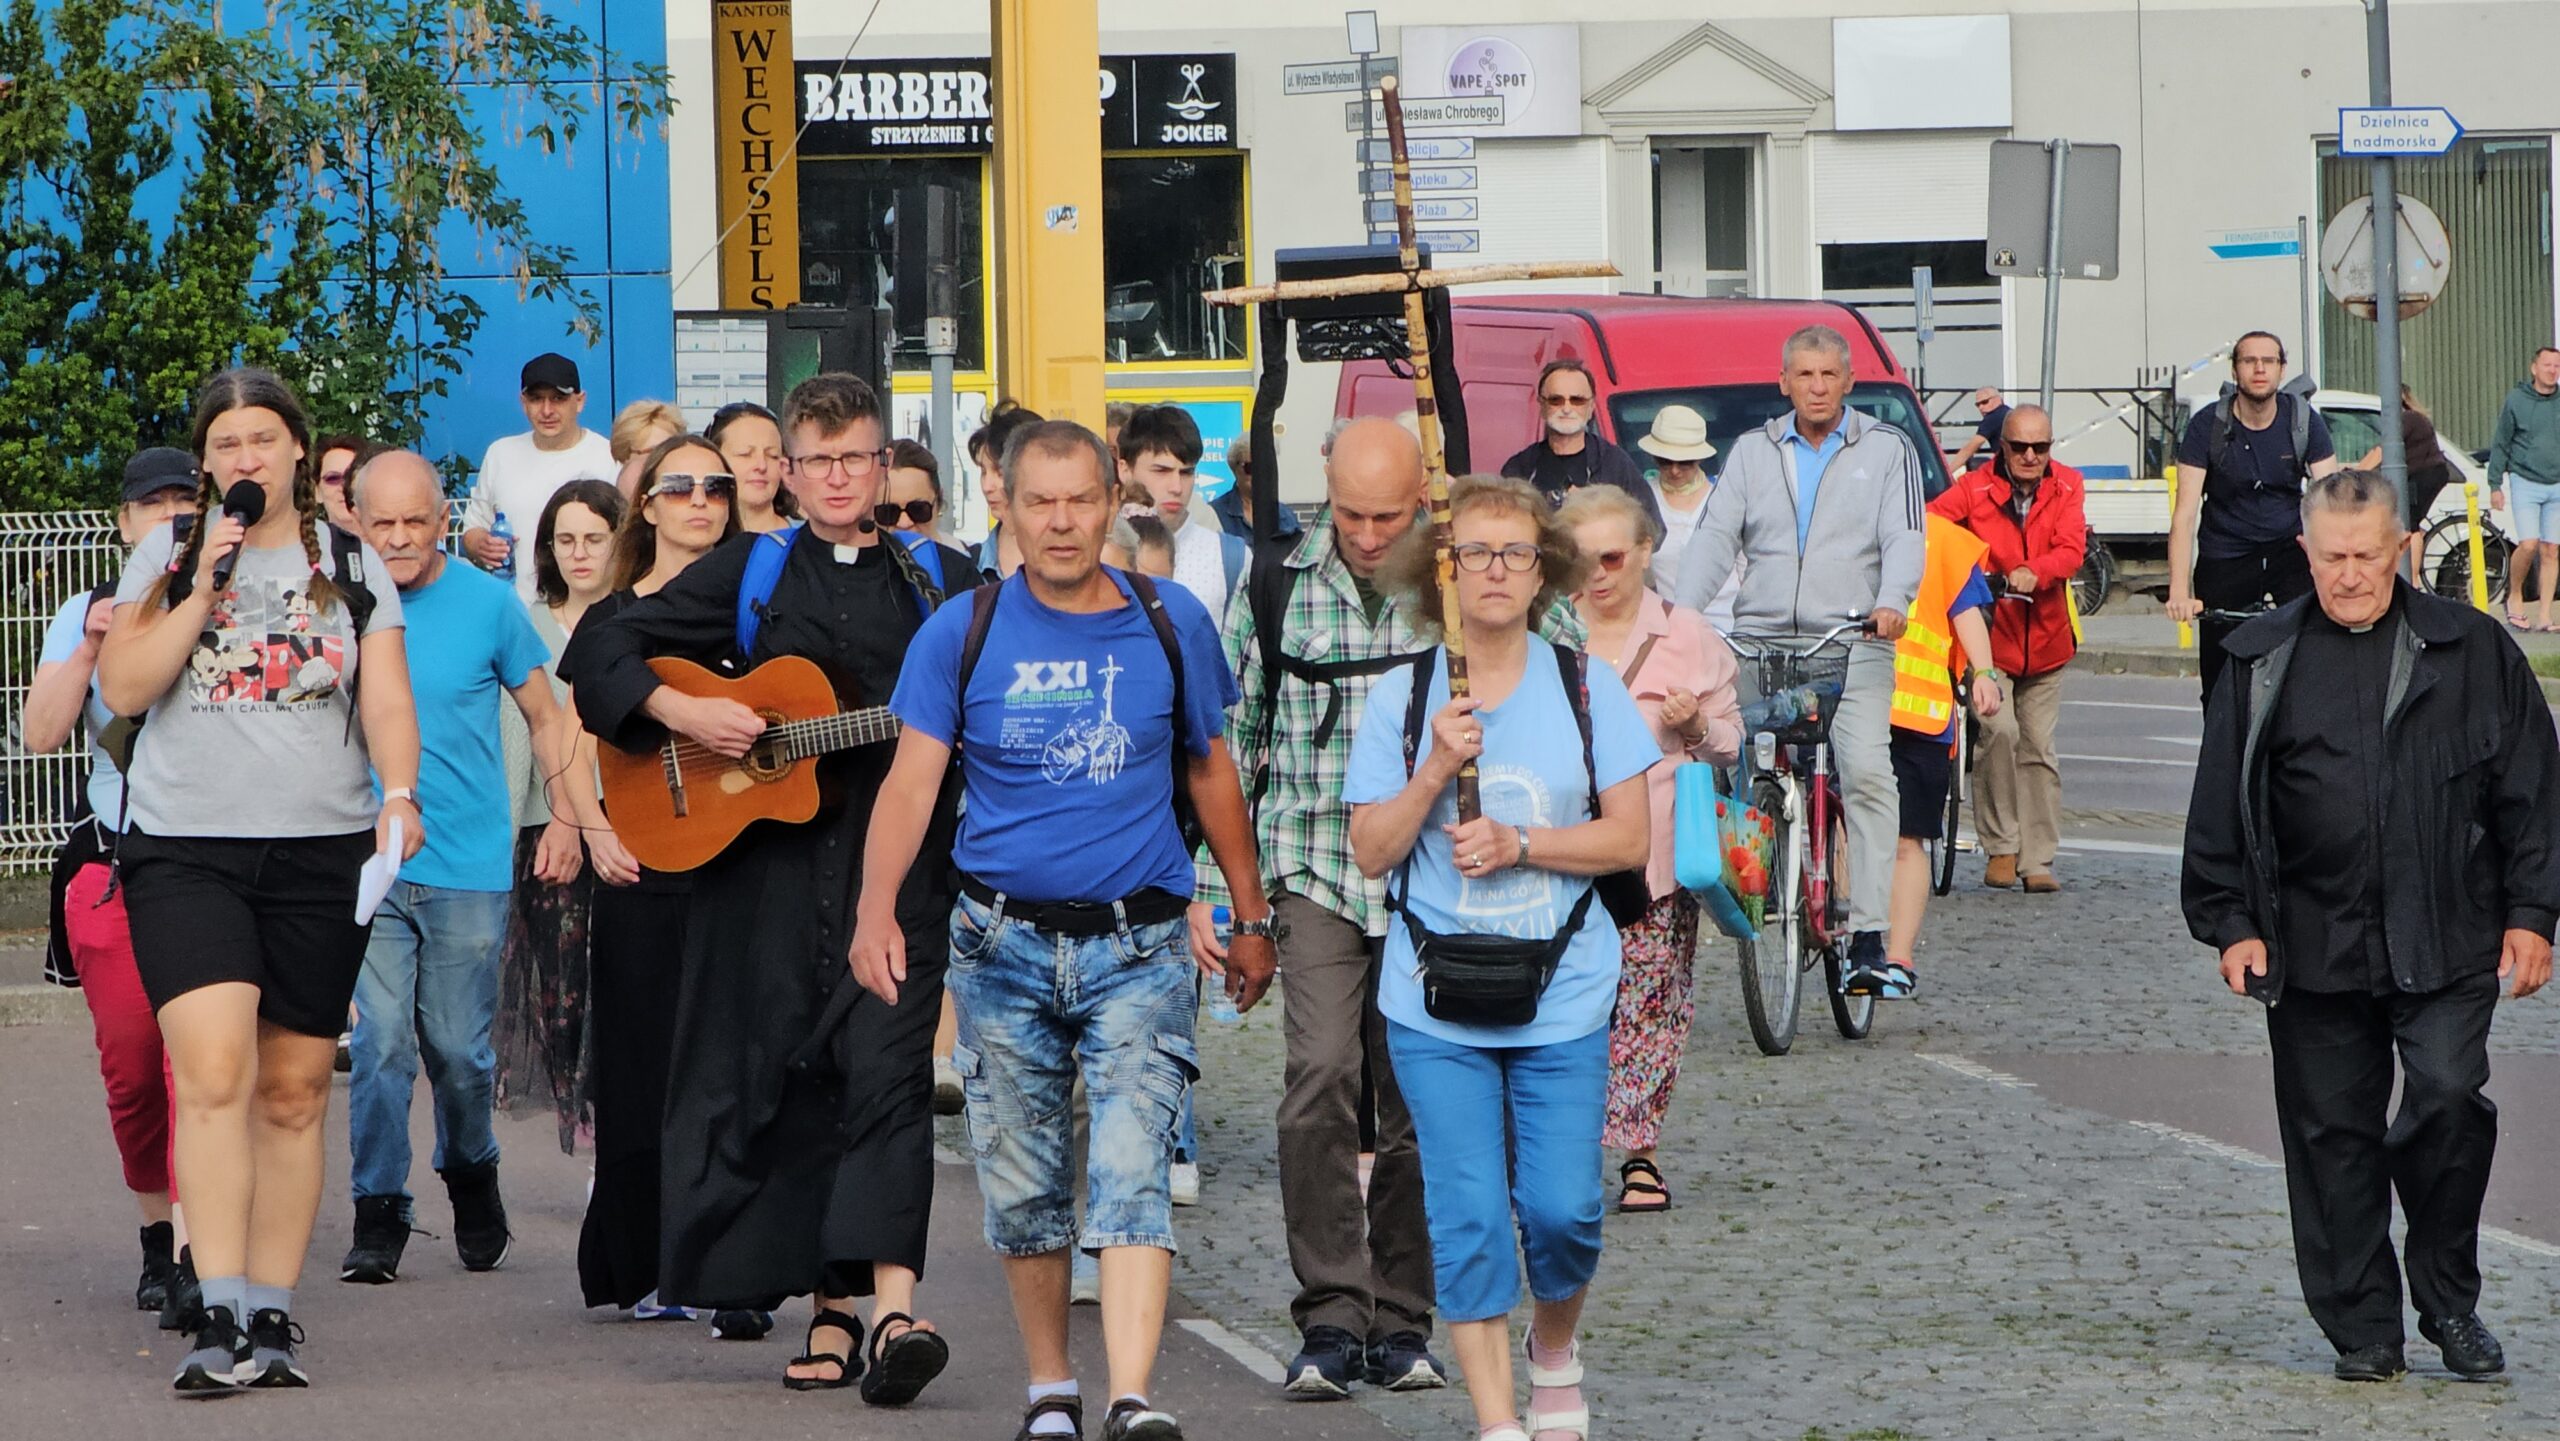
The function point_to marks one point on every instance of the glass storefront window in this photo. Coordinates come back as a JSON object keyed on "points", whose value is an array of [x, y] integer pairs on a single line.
{"points": [[849, 254], [1172, 227]]}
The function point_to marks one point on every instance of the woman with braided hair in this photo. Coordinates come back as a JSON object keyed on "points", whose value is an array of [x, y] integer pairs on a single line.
{"points": [[251, 811]]}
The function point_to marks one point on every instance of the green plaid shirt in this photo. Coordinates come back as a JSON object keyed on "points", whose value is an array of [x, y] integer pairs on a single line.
{"points": [[1301, 828]]}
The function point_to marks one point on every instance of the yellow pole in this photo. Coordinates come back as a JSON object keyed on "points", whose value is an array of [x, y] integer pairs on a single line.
{"points": [[2479, 561], [1047, 193]]}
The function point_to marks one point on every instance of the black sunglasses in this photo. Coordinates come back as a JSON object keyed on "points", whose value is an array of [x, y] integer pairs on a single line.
{"points": [[2029, 447], [715, 486], [886, 515]]}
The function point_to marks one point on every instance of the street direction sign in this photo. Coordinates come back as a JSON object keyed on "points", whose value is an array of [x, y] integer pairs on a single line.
{"points": [[1423, 148], [2265, 242], [1426, 209], [2396, 130], [1331, 77], [1431, 112], [2021, 197], [1427, 179], [1444, 242]]}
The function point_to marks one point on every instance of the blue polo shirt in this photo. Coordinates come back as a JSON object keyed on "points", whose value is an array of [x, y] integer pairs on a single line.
{"points": [[1811, 462], [469, 642]]}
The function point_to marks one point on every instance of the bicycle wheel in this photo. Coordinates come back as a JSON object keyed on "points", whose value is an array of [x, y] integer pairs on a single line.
{"points": [[1771, 980], [1942, 851], [2096, 578], [2445, 558], [1854, 1015]]}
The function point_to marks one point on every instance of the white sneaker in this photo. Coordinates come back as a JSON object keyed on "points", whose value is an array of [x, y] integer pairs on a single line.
{"points": [[1186, 1183]]}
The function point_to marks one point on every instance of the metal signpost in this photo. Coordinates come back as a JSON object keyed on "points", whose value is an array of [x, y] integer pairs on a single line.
{"points": [[2041, 225], [1924, 323]]}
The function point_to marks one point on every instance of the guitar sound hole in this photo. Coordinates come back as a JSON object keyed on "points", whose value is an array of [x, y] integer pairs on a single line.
{"points": [[764, 760]]}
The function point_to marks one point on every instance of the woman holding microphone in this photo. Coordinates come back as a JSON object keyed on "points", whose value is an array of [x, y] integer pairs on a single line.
{"points": [[252, 811]]}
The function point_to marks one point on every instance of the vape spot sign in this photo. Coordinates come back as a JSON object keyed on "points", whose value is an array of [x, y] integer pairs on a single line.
{"points": [[1492, 65]]}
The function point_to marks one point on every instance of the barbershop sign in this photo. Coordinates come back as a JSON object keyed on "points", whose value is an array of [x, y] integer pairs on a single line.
{"points": [[947, 106]]}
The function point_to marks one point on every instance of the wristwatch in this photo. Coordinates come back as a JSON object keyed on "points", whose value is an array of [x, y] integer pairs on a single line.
{"points": [[1524, 845], [1260, 928]]}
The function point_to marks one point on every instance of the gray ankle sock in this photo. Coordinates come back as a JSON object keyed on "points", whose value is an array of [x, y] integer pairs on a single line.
{"points": [[268, 1298], [231, 1291]]}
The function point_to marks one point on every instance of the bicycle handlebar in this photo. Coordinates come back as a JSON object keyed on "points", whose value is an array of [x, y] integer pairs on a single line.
{"points": [[1754, 647]]}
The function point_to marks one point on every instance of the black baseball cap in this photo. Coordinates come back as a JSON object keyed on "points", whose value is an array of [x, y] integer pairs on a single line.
{"points": [[157, 469], [550, 371]]}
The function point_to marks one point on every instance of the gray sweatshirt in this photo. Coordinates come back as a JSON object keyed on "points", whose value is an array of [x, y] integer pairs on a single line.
{"points": [[2526, 439], [1861, 551]]}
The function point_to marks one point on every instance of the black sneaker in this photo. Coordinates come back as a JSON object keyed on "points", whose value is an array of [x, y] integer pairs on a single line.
{"points": [[2378, 1362], [219, 1362], [1134, 1420], [184, 1309], [159, 1267], [480, 1234], [1866, 974], [2469, 1349], [1326, 1365], [382, 1233], [741, 1325], [272, 1363], [1403, 1362]]}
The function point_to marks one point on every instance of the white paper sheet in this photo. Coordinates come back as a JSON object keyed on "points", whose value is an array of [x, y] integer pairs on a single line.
{"points": [[374, 881]]}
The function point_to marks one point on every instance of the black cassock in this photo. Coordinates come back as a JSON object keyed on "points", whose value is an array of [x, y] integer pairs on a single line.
{"points": [[799, 1122]]}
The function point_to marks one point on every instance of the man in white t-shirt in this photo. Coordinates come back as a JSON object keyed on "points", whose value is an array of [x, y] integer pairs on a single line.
{"points": [[1159, 466], [520, 473]]}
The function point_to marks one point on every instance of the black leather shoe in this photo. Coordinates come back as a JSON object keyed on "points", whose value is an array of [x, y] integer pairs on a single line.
{"points": [[2378, 1362], [2469, 1349]]}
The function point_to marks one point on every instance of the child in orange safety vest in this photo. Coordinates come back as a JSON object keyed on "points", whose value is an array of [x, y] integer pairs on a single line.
{"points": [[1948, 612]]}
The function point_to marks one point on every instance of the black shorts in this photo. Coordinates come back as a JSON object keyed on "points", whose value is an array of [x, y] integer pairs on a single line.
{"points": [[279, 915], [1922, 770]]}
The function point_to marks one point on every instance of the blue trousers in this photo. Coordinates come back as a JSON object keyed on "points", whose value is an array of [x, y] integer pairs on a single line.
{"points": [[1507, 1135], [429, 989]]}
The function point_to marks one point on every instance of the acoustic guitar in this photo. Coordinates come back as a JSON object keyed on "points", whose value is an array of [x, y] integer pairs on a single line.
{"points": [[682, 803]]}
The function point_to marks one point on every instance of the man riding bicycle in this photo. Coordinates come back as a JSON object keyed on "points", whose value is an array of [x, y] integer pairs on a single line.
{"points": [[1822, 508]]}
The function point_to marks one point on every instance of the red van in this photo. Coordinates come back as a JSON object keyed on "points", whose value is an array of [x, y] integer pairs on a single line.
{"points": [[1718, 357]]}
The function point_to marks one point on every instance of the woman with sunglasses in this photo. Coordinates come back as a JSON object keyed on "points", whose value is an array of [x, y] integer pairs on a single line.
{"points": [[1682, 677], [749, 439], [911, 500], [636, 941], [1506, 1113], [541, 1033]]}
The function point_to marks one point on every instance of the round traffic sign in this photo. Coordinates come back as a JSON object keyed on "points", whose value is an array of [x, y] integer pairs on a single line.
{"points": [[2346, 257]]}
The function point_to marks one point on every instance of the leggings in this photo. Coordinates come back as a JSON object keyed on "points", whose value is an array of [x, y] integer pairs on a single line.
{"points": [[130, 1056]]}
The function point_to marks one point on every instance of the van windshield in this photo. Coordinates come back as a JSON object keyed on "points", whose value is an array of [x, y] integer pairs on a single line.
{"points": [[1731, 410]]}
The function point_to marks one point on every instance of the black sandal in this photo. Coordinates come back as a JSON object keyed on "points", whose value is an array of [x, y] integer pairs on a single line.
{"points": [[1628, 1186], [1071, 1407], [848, 1366], [904, 1364]]}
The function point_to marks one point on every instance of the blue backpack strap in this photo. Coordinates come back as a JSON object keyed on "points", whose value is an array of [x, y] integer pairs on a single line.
{"points": [[755, 589]]}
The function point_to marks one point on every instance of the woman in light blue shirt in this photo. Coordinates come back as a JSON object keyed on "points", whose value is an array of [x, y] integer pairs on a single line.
{"points": [[1507, 1118]]}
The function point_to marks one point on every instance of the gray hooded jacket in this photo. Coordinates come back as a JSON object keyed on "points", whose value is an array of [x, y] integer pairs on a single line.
{"points": [[1862, 551]]}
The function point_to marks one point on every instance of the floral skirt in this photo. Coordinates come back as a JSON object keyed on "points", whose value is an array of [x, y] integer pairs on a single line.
{"points": [[544, 1042], [1656, 1001]]}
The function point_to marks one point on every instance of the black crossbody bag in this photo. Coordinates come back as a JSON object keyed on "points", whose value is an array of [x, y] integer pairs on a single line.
{"points": [[1472, 979]]}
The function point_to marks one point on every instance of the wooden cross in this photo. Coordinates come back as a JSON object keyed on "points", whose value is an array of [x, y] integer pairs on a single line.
{"points": [[1411, 280]]}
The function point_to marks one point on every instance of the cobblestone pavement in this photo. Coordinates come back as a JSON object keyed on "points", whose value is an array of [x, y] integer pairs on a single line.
{"points": [[1878, 1241]]}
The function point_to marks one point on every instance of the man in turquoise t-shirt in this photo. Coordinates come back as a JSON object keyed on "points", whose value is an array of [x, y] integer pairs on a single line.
{"points": [[430, 981]]}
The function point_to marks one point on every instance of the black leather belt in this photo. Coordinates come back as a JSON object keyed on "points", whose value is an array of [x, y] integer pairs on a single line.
{"points": [[1082, 918]]}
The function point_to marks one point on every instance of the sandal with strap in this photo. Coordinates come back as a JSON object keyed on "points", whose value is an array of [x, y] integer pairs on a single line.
{"points": [[848, 1366], [1071, 1407], [904, 1364], [1635, 1196], [1576, 1422]]}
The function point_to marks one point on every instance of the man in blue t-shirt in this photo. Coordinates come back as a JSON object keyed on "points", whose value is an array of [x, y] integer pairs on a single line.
{"points": [[1066, 691], [430, 979]]}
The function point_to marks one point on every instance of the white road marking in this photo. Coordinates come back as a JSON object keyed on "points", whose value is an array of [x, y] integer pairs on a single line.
{"points": [[2133, 705], [2176, 740], [2120, 848], [2238, 1155], [1246, 1354], [2127, 761]]}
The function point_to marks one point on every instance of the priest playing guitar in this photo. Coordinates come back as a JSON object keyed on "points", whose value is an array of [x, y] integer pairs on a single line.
{"points": [[799, 1132]]}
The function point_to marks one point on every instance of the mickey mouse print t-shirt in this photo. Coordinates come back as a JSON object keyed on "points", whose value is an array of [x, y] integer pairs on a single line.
{"points": [[255, 738]]}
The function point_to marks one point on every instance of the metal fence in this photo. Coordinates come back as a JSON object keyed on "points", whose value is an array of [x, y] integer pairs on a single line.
{"points": [[46, 557]]}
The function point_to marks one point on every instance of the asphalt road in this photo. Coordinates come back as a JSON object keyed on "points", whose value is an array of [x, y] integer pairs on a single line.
{"points": [[2128, 743]]}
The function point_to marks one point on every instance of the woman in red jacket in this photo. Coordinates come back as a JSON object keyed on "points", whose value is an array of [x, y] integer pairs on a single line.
{"points": [[2028, 509]]}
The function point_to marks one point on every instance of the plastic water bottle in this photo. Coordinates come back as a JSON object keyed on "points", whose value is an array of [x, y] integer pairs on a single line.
{"points": [[1222, 1007], [499, 530]]}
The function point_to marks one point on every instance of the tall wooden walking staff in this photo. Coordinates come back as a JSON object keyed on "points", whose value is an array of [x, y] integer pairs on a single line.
{"points": [[1426, 415]]}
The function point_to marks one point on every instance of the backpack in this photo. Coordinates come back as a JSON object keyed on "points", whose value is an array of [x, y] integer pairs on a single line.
{"points": [[772, 549], [1269, 586], [1234, 553], [1142, 589], [2297, 414], [1625, 893]]}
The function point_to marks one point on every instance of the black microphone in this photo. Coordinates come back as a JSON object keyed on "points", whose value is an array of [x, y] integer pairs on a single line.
{"points": [[247, 501]]}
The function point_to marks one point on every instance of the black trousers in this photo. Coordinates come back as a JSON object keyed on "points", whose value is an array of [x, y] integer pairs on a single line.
{"points": [[2278, 568], [2333, 1072]]}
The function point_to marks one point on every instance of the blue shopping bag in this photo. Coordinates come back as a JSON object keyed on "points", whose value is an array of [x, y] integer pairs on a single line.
{"points": [[1720, 851]]}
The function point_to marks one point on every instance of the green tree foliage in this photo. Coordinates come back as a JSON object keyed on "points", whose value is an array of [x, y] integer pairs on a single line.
{"points": [[320, 161]]}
